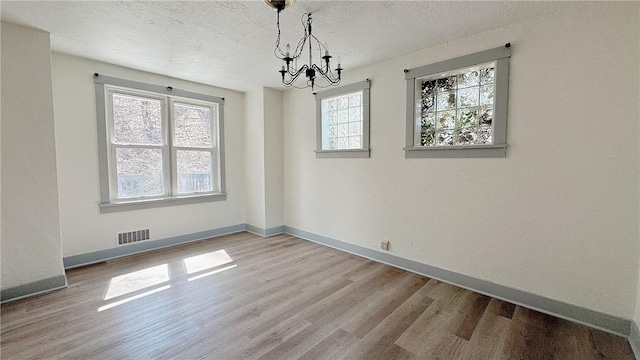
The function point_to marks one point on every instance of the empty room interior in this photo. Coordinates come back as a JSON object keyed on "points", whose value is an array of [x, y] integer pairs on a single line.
{"points": [[286, 179]]}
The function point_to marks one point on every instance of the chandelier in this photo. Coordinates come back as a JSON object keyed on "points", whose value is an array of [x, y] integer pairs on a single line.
{"points": [[290, 71]]}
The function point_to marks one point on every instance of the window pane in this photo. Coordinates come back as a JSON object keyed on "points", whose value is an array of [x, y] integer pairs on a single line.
{"points": [[467, 117], [486, 116], [333, 117], [445, 137], [447, 84], [428, 103], [427, 136], [486, 95], [333, 130], [428, 88], [446, 101], [468, 79], [446, 120], [139, 172], [468, 97], [468, 136], [487, 75], [343, 116], [455, 109], [485, 135], [355, 114], [342, 128], [355, 100], [355, 129], [194, 171], [192, 125], [137, 120]]}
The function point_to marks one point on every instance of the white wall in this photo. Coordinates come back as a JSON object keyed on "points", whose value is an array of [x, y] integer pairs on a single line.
{"points": [[254, 158], [636, 315], [557, 217], [84, 229], [264, 164], [637, 312], [0, 155], [273, 158], [31, 245]]}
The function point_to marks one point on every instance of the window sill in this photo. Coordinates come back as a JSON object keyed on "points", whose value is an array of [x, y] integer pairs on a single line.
{"points": [[470, 151], [350, 153], [162, 202]]}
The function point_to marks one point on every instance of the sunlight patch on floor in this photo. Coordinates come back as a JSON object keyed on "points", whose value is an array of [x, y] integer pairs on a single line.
{"points": [[137, 280], [206, 261]]}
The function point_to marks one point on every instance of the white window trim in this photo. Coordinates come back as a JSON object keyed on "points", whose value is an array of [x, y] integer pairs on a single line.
{"points": [[364, 152], [498, 55], [103, 86]]}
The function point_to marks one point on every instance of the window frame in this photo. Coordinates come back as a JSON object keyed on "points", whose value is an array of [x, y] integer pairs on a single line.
{"points": [[174, 148], [364, 151], [107, 85], [500, 56]]}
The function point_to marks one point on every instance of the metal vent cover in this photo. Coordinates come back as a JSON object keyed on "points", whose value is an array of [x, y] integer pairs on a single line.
{"points": [[133, 236]]}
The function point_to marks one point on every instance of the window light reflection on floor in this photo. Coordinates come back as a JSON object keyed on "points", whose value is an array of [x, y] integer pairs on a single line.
{"points": [[124, 301], [212, 272], [206, 261], [137, 280]]}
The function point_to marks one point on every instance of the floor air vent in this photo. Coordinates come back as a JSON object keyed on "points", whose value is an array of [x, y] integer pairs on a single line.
{"points": [[133, 236]]}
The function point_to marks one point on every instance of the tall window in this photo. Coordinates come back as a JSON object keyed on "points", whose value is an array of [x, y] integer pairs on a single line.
{"points": [[458, 107], [342, 116], [158, 146]]}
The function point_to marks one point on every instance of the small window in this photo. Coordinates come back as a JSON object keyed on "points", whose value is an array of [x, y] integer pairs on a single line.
{"points": [[342, 117], [158, 146], [458, 108]]}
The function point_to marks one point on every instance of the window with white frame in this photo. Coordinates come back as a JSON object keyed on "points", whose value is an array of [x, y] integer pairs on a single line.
{"points": [[158, 146], [342, 116], [458, 108]]}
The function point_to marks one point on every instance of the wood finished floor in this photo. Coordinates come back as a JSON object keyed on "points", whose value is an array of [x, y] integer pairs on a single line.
{"points": [[280, 298]]}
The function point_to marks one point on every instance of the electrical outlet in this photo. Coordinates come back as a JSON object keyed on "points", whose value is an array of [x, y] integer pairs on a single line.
{"points": [[384, 244]]}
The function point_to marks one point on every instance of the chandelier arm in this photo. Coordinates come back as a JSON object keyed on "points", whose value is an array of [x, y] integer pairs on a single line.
{"points": [[331, 79], [330, 72], [293, 77], [296, 73]]}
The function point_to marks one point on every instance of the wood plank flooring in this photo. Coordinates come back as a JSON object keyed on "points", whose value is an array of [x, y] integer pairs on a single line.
{"points": [[244, 297]]}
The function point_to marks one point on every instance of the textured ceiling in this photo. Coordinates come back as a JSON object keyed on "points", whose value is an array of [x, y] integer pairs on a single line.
{"points": [[230, 44]]}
